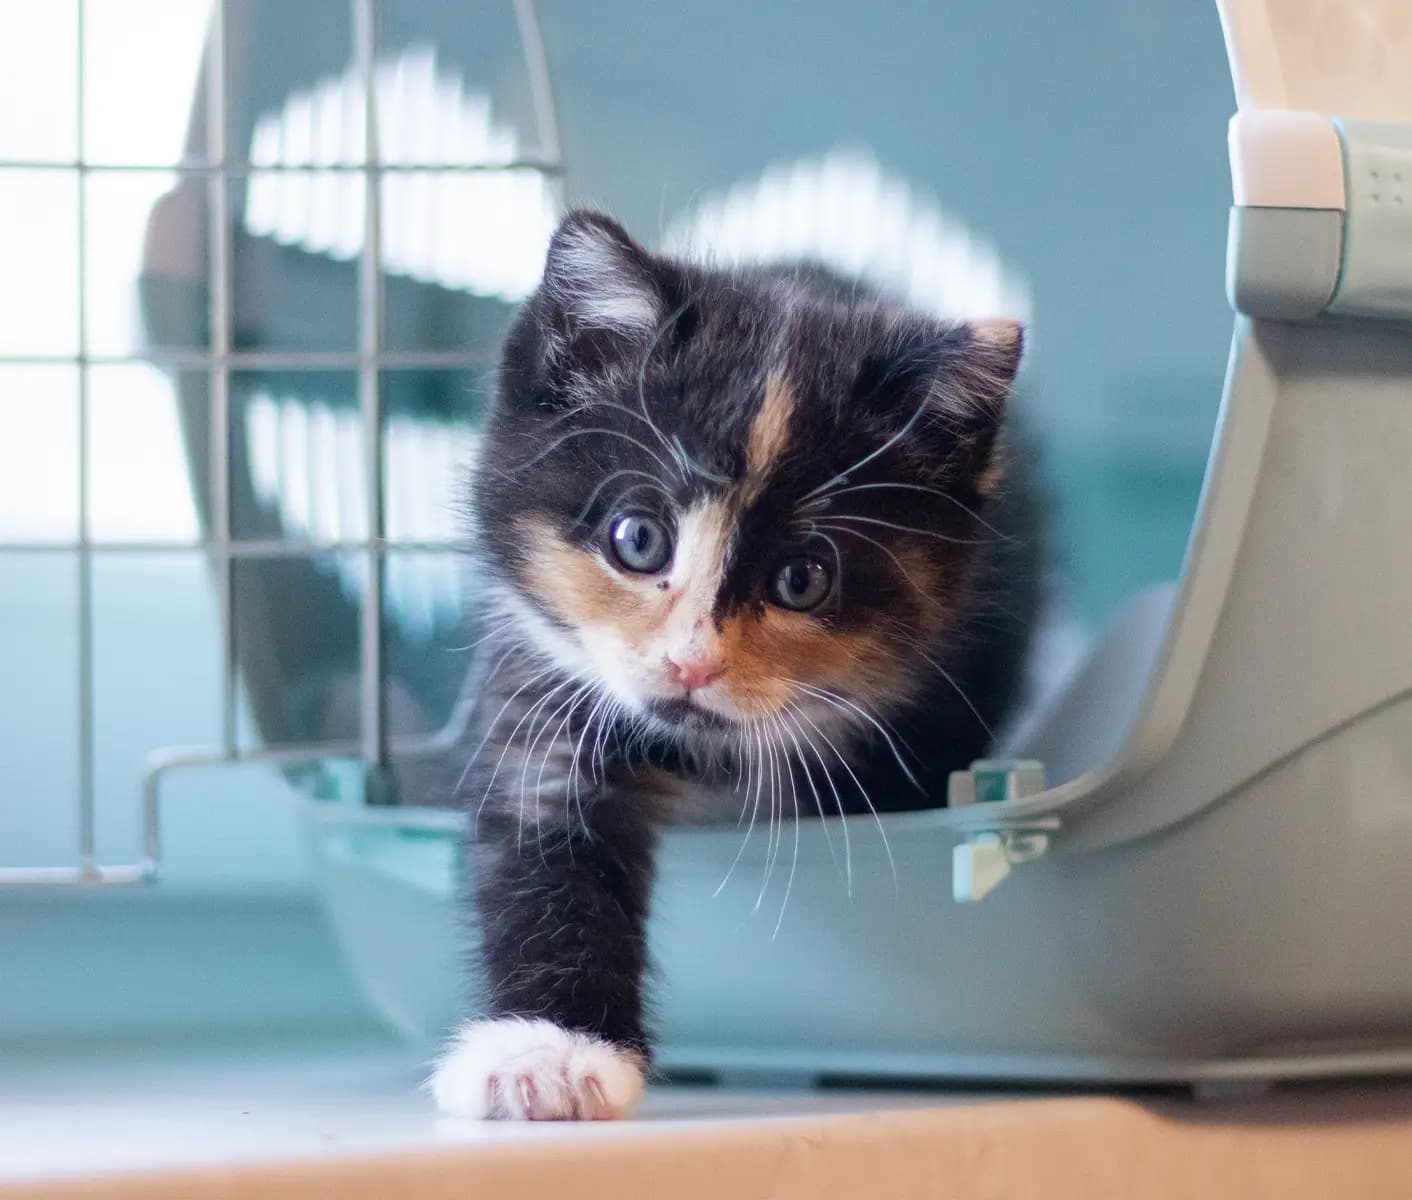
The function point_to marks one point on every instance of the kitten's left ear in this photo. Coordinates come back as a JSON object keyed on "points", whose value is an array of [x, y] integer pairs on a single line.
{"points": [[972, 392], [597, 280], [997, 345], [949, 382]]}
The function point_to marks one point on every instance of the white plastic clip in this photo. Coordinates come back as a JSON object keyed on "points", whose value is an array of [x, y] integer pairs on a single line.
{"points": [[983, 860]]}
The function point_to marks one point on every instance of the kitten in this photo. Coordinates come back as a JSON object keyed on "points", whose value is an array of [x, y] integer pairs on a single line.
{"points": [[719, 512]]}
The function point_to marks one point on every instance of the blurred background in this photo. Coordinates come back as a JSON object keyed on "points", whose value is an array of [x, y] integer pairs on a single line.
{"points": [[191, 320]]}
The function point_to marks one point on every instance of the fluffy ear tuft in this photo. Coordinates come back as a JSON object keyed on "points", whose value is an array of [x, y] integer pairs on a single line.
{"points": [[989, 371], [597, 278], [993, 360], [948, 381], [1000, 334]]}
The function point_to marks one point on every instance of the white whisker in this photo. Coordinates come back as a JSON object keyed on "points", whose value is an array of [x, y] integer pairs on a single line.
{"points": [[651, 479], [862, 791], [912, 529], [845, 475], [597, 429], [676, 450], [909, 487], [815, 527], [815, 530], [794, 859], [754, 811], [830, 697], [511, 741], [600, 743], [813, 787], [572, 703], [528, 757], [965, 699], [576, 772], [490, 729], [771, 844], [795, 714], [485, 637]]}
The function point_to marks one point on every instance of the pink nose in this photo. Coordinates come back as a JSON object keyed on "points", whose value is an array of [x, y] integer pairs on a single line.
{"points": [[695, 671]]}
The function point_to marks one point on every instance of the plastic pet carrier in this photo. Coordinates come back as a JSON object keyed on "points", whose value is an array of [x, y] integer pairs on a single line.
{"points": [[1194, 861]]}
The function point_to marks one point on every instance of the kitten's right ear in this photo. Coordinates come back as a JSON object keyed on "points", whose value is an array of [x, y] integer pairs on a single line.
{"points": [[597, 280]]}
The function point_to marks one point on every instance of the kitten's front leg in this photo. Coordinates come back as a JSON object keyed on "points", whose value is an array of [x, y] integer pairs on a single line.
{"points": [[562, 906]]}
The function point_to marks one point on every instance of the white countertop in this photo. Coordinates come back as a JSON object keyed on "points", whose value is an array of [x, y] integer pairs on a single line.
{"points": [[343, 1119], [71, 1110]]}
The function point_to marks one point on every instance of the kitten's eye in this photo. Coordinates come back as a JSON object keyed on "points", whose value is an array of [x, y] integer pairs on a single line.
{"points": [[641, 543], [802, 584]]}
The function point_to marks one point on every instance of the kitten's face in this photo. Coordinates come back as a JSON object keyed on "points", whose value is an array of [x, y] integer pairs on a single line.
{"points": [[727, 497]]}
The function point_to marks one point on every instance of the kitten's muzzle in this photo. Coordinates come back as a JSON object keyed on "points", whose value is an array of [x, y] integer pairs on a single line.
{"points": [[695, 670]]}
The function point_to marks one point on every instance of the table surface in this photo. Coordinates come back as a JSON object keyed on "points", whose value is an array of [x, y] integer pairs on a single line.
{"points": [[345, 1117]]}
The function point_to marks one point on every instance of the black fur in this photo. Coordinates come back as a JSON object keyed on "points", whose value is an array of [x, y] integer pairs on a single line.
{"points": [[567, 792]]}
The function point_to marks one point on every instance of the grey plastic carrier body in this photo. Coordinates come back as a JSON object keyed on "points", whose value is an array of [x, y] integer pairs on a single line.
{"points": [[1217, 883]]}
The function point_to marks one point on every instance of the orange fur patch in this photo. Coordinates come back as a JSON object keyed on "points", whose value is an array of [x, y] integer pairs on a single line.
{"points": [[576, 586], [768, 435], [764, 650], [999, 333], [989, 480]]}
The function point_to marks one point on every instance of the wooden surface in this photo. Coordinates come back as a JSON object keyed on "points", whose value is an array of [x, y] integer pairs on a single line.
{"points": [[1353, 1141]]}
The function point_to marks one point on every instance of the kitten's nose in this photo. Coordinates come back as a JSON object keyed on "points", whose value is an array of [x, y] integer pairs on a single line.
{"points": [[695, 670]]}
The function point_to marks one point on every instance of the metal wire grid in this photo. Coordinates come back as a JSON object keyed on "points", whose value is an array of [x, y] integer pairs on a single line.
{"points": [[219, 360]]}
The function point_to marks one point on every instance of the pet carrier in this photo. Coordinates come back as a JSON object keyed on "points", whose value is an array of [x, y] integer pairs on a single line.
{"points": [[1209, 882]]}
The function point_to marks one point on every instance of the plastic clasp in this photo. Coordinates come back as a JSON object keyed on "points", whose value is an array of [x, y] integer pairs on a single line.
{"points": [[982, 862], [995, 781]]}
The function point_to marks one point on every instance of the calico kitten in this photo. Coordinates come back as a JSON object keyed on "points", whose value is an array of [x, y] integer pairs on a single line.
{"points": [[722, 514]]}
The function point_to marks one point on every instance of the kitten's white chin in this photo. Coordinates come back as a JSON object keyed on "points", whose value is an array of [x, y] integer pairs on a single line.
{"points": [[533, 1070]]}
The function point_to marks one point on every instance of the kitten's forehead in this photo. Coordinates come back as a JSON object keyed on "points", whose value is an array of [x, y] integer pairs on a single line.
{"points": [[780, 325], [763, 381]]}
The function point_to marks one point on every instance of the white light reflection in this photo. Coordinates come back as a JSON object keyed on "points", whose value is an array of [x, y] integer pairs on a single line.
{"points": [[481, 232], [306, 464], [845, 211]]}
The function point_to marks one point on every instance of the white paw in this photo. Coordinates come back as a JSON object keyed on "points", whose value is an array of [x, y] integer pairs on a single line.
{"points": [[533, 1070]]}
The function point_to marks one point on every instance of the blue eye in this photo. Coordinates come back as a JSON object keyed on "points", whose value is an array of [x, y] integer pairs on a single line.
{"points": [[801, 584], [641, 543]]}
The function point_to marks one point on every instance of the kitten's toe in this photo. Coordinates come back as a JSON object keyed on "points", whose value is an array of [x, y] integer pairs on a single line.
{"points": [[533, 1070]]}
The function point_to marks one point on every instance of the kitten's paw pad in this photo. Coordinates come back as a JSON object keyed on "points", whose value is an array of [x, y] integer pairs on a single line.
{"points": [[532, 1070]]}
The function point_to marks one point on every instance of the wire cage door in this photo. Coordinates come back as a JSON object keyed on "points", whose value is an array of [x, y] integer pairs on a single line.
{"points": [[322, 475]]}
